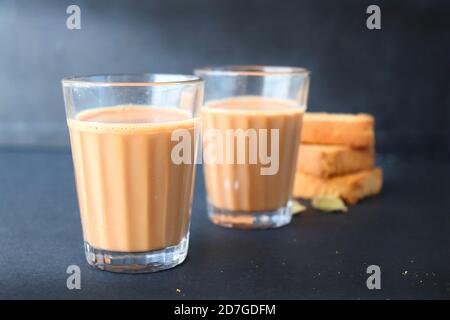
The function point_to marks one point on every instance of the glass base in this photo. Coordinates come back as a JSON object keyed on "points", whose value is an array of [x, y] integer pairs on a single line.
{"points": [[250, 219], [137, 262]]}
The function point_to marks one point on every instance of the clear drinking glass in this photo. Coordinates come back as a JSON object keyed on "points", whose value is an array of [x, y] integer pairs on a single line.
{"points": [[134, 181], [251, 124]]}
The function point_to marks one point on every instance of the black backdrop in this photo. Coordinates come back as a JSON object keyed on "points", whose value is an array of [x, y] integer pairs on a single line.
{"points": [[399, 73]]}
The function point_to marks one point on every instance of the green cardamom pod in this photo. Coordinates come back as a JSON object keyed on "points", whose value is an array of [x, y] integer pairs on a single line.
{"points": [[297, 207], [328, 203]]}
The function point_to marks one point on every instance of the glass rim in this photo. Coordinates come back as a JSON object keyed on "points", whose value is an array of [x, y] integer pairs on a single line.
{"points": [[90, 80], [252, 70]]}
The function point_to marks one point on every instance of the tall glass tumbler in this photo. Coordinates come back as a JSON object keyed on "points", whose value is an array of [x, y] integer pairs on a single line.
{"points": [[251, 124], [133, 140]]}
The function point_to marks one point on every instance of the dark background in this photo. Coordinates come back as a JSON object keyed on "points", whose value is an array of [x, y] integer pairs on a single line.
{"points": [[399, 73]]}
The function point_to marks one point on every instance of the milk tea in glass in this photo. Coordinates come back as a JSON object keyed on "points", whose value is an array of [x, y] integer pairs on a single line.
{"points": [[251, 123], [133, 141]]}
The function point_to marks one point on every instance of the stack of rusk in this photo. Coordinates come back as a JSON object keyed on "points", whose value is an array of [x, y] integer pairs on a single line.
{"points": [[336, 157]]}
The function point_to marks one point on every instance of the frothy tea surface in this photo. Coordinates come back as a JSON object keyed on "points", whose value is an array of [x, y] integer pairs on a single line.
{"points": [[253, 104], [127, 114]]}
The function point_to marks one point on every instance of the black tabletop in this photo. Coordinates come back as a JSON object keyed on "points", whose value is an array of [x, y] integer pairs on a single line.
{"points": [[405, 231]]}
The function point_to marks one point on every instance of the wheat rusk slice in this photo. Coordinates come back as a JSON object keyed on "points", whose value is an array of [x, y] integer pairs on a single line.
{"points": [[350, 187], [332, 160], [354, 130]]}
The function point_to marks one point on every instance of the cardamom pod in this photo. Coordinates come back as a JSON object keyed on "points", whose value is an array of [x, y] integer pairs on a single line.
{"points": [[297, 207], [328, 203]]}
